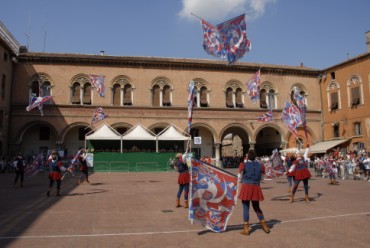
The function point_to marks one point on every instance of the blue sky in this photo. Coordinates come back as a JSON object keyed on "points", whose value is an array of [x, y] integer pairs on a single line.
{"points": [[317, 33]]}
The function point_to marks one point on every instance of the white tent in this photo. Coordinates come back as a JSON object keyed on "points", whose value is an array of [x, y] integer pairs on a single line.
{"points": [[139, 132], [105, 132], [172, 133]]}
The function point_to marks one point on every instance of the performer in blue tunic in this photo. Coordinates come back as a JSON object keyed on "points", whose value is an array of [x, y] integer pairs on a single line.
{"points": [[250, 174], [183, 180]]}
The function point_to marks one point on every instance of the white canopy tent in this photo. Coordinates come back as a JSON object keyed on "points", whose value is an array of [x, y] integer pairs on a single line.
{"points": [[105, 132], [323, 147], [172, 132], [139, 132]]}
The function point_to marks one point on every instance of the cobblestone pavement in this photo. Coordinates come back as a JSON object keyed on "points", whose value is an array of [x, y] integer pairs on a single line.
{"points": [[138, 210]]}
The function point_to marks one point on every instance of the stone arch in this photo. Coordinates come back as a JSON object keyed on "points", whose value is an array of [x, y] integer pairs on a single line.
{"points": [[161, 82], [81, 78], [29, 125], [122, 80], [234, 85], [43, 77]]}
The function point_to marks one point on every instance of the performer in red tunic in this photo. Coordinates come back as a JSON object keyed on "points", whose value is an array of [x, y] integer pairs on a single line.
{"points": [[83, 167], [299, 170], [183, 180], [250, 174], [55, 168]]}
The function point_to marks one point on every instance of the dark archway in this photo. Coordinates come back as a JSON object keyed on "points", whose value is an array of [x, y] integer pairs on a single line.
{"points": [[267, 140]]}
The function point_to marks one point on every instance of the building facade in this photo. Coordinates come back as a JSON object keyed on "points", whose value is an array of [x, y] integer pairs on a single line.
{"points": [[153, 92], [345, 92]]}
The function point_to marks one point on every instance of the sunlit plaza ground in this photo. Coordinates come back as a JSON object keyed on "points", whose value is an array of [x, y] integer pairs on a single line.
{"points": [[138, 210]]}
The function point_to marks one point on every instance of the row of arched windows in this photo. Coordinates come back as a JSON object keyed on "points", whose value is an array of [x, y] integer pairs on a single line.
{"points": [[81, 92]]}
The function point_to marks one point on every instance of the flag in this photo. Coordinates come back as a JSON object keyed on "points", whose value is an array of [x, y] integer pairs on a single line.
{"points": [[34, 167], [212, 195], [228, 40], [98, 82], [190, 107], [266, 117], [275, 168], [291, 117], [37, 101], [302, 107], [253, 87], [98, 116]]}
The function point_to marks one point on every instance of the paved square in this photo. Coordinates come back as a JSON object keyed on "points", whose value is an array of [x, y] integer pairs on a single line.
{"points": [[138, 210]]}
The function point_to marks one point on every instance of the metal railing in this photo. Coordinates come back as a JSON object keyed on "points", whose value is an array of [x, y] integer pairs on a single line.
{"points": [[126, 166]]}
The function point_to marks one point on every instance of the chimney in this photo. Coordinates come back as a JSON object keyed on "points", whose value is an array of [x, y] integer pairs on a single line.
{"points": [[368, 40], [102, 53]]}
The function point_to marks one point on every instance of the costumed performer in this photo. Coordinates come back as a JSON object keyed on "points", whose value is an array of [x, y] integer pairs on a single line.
{"points": [[250, 175], [83, 167], [299, 170], [183, 180], [55, 168]]}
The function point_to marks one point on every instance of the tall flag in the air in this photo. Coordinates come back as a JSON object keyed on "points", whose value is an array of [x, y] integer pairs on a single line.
{"points": [[98, 82], [98, 116], [302, 107], [37, 101], [213, 195], [228, 40], [291, 117], [253, 87], [267, 117], [191, 97]]}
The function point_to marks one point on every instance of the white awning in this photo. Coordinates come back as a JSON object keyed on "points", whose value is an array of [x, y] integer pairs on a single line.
{"points": [[172, 133], [139, 132], [105, 132], [322, 147]]}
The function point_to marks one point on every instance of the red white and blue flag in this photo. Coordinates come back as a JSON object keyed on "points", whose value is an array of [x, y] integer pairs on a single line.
{"points": [[98, 82], [291, 116], [253, 87], [34, 167], [98, 116], [228, 40], [213, 195], [190, 108], [301, 106], [266, 117], [37, 101], [275, 168]]}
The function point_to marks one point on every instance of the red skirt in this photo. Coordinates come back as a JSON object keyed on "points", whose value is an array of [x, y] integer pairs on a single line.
{"points": [[302, 174], [250, 192], [184, 178], [55, 176]]}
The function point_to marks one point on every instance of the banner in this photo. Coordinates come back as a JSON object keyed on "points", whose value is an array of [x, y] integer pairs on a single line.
{"points": [[213, 195]]}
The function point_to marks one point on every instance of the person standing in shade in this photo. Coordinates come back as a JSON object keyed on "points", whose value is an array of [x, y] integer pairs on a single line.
{"points": [[299, 170], [250, 175], [183, 180], [83, 167], [55, 169], [19, 169]]}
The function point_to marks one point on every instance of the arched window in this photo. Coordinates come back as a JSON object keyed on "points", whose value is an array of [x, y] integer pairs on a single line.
{"points": [[156, 96], [116, 95], [35, 88], [127, 95], [263, 100], [76, 93], [166, 95], [271, 97], [239, 98], [355, 91], [87, 94], [203, 97], [229, 98]]}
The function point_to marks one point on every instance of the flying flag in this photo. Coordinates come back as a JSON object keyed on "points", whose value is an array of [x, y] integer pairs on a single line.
{"points": [[266, 117], [291, 117], [35, 167], [228, 40], [190, 107], [98, 116], [37, 101], [213, 195], [98, 82], [275, 168], [253, 87], [302, 107]]}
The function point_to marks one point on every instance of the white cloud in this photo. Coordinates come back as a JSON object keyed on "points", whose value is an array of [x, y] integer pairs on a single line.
{"points": [[218, 10]]}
